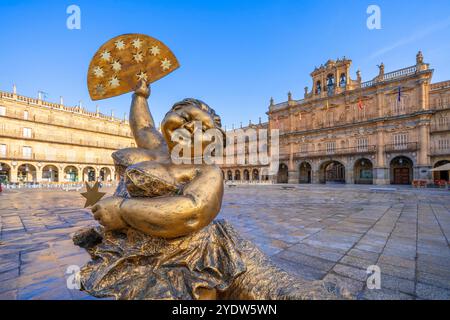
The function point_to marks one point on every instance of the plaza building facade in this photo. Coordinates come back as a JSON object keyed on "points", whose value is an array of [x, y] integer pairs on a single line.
{"points": [[242, 168], [50, 142], [392, 129]]}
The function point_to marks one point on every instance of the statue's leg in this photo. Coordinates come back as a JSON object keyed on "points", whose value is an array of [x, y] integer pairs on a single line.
{"points": [[263, 280]]}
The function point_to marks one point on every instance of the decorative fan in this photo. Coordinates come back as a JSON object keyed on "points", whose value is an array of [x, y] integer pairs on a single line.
{"points": [[123, 61]]}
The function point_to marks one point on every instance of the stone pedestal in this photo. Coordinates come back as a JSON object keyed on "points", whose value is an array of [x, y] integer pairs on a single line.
{"points": [[293, 177], [381, 176]]}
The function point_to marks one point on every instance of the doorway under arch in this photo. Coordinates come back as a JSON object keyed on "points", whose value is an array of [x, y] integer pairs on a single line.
{"points": [[50, 173], [255, 175], [401, 169], [105, 174], [441, 175], [305, 172], [229, 175], [26, 173], [246, 175], [363, 171], [5, 173], [332, 172], [283, 173], [237, 175], [71, 174], [89, 174]]}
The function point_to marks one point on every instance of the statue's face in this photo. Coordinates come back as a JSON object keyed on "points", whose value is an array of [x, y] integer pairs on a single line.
{"points": [[190, 117]]}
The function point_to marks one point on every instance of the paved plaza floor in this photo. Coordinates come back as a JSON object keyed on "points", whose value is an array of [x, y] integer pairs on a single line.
{"points": [[315, 231]]}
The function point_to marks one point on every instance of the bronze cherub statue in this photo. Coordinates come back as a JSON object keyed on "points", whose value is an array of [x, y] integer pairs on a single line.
{"points": [[159, 239]]}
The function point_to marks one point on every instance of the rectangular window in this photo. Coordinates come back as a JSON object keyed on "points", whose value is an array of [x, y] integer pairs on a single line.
{"points": [[443, 122], [400, 141], [331, 147], [27, 132], [2, 150], [25, 115], [27, 152], [362, 144], [304, 148], [2, 111], [444, 144]]}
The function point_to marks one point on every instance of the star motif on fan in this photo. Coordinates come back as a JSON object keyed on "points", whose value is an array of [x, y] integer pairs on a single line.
{"points": [[106, 55], [114, 82], [137, 43], [116, 66], [98, 72], [120, 45], [138, 57], [165, 64], [99, 89], [154, 50], [142, 76]]}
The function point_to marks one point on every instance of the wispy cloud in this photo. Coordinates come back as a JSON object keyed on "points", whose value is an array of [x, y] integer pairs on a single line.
{"points": [[412, 38]]}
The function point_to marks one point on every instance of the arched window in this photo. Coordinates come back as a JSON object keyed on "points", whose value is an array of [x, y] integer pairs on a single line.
{"points": [[330, 84], [343, 80], [318, 87]]}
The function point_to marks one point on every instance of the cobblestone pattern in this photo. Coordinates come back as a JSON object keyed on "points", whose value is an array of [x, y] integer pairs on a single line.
{"points": [[317, 232]]}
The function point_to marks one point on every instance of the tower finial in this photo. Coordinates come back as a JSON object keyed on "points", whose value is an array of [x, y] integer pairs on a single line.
{"points": [[419, 58]]}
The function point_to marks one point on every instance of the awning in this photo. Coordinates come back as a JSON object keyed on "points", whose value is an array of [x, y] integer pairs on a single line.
{"points": [[445, 167]]}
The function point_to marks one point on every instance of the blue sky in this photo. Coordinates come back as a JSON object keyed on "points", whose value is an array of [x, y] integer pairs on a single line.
{"points": [[234, 55]]}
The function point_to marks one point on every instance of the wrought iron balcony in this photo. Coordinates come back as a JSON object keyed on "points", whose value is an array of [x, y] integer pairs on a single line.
{"points": [[407, 146], [336, 152], [440, 127], [436, 151]]}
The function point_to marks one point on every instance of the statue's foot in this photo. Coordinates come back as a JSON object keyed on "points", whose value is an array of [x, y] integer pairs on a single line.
{"points": [[88, 238]]}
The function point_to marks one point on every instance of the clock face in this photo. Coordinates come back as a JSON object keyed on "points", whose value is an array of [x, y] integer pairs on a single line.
{"points": [[119, 65]]}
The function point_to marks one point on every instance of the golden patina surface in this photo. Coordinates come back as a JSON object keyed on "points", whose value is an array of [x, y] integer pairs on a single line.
{"points": [[124, 60], [159, 240]]}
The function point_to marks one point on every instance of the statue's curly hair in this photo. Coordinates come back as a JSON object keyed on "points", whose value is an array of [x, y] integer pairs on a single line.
{"points": [[200, 105]]}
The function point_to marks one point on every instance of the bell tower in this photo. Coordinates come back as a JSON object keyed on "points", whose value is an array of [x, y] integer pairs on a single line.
{"points": [[331, 78]]}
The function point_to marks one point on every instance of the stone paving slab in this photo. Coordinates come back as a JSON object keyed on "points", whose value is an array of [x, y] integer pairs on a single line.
{"points": [[315, 232]]}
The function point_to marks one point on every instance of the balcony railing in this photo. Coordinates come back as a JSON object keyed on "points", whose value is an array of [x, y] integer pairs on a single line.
{"points": [[336, 152], [440, 127], [400, 73], [407, 146], [60, 139], [436, 151], [49, 158], [440, 106]]}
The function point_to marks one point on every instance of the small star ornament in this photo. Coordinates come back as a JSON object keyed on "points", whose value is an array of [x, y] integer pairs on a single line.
{"points": [[120, 45], [155, 50], [92, 195]]}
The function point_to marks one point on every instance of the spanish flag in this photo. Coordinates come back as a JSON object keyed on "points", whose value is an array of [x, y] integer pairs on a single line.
{"points": [[360, 104]]}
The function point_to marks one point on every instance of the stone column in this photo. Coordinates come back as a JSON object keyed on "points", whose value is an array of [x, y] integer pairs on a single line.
{"points": [[293, 173], [13, 173], [380, 103], [423, 95], [423, 159], [349, 178], [380, 169], [38, 173]]}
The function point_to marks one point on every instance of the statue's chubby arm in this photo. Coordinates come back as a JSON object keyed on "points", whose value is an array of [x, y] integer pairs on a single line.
{"points": [[142, 124], [174, 216]]}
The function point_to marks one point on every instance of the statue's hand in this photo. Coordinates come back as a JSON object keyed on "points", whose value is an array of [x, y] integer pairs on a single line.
{"points": [[107, 212], [143, 89]]}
